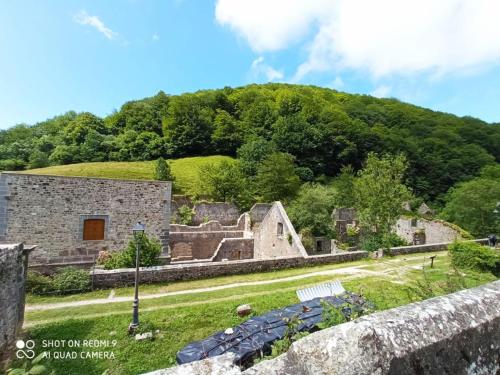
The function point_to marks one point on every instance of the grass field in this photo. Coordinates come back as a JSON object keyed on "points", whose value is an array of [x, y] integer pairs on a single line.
{"points": [[185, 171], [188, 317]]}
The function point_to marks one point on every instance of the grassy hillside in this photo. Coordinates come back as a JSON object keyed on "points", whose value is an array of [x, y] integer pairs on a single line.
{"points": [[185, 171]]}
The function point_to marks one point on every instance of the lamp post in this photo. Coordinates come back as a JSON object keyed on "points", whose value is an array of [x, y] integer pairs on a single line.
{"points": [[138, 231]]}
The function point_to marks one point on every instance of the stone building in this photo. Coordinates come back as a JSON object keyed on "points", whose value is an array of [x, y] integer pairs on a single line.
{"points": [[343, 218], [421, 231], [13, 266], [264, 232], [71, 219]]}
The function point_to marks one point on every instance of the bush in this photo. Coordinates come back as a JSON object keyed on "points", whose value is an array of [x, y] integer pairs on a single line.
{"points": [[149, 254], [185, 214], [64, 281], [373, 242], [474, 256], [163, 171], [37, 283], [70, 279]]}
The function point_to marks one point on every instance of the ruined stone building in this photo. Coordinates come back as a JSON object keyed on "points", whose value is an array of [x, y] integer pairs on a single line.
{"points": [[262, 233], [71, 219]]}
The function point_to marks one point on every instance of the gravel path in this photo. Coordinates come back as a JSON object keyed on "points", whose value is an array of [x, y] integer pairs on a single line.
{"points": [[386, 268]]}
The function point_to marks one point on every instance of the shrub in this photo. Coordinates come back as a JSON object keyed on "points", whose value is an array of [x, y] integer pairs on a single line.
{"points": [[37, 283], [373, 242], [185, 214], [474, 256], [64, 281], [162, 171], [150, 251], [70, 279]]}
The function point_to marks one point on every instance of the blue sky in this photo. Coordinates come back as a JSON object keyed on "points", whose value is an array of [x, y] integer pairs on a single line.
{"points": [[95, 55]]}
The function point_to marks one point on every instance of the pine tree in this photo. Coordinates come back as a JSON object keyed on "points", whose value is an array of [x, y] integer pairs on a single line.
{"points": [[162, 171]]}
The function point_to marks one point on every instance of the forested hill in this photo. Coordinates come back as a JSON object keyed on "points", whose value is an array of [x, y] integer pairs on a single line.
{"points": [[322, 128]]}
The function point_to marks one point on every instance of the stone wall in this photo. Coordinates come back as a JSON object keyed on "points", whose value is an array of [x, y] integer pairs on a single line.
{"points": [[223, 212], [234, 249], [49, 211], [13, 265], [433, 231], [401, 250], [196, 271], [259, 211], [201, 241], [454, 334], [276, 236]]}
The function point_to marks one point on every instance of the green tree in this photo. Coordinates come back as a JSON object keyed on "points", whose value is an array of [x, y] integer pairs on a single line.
{"points": [[380, 192], [344, 185], [162, 171], [276, 178], [253, 152], [227, 135], [76, 130], [188, 126], [312, 209], [471, 205], [225, 182], [38, 159]]}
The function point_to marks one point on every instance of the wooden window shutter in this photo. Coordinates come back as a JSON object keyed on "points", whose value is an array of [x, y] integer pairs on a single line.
{"points": [[93, 229]]}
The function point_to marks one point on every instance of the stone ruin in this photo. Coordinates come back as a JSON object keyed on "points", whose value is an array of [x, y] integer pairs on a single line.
{"points": [[264, 232]]}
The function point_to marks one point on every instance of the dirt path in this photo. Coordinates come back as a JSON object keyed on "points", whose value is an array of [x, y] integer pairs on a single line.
{"points": [[386, 268]]}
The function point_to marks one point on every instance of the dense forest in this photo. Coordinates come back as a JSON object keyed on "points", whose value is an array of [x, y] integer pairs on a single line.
{"points": [[323, 130]]}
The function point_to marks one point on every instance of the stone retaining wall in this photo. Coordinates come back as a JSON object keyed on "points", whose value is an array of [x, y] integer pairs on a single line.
{"points": [[454, 334], [234, 249], [177, 272], [401, 250], [13, 265]]}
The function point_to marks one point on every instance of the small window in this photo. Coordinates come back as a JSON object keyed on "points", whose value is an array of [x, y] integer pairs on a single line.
{"points": [[280, 229], [93, 229]]}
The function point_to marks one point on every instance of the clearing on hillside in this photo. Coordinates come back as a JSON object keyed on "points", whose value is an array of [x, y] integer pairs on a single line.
{"points": [[185, 171]]}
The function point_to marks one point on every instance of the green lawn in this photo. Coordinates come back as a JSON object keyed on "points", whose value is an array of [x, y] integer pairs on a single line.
{"points": [[185, 171], [184, 318]]}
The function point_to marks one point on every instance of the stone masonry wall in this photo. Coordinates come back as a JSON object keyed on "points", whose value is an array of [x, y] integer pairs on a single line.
{"points": [[234, 249], [273, 242], [400, 250], [225, 213], [12, 285], [454, 334], [201, 241], [48, 211], [196, 271], [198, 245], [436, 231]]}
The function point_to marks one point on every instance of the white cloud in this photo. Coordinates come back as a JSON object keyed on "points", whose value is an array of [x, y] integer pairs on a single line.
{"points": [[337, 83], [382, 37], [381, 91], [155, 37], [83, 18], [259, 67]]}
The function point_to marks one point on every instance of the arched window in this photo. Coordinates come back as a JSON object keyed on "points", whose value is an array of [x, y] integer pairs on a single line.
{"points": [[93, 229]]}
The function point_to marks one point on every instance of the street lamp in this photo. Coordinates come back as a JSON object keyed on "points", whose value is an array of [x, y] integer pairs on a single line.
{"points": [[138, 231]]}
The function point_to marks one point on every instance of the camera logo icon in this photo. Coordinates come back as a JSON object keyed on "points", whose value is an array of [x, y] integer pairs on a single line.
{"points": [[25, 349]]}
